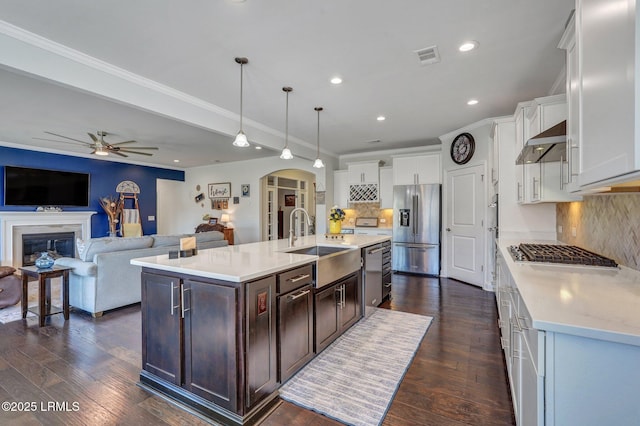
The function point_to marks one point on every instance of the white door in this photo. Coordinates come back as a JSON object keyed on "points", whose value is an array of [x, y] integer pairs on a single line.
{"points": [[465, 224]]}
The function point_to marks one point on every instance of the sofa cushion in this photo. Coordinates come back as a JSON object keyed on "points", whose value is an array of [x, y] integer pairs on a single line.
{"points": [[6, 270], [202, 237], [89, 248], [166, 240]]}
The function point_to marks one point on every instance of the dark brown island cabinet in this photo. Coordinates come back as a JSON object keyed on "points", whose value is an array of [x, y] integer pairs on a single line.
{"points": [[337, 307], [210, 344], [223, 348]]}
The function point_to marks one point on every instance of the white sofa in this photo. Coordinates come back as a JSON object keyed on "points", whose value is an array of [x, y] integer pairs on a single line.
{"points": [[103, 278]]}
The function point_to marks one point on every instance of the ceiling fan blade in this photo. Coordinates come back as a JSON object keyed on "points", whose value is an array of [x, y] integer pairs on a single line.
{"points": [[143, 147], [54, 140], [93, 137], [122, 143], [67, 137], [117, 152], [134, 152]]}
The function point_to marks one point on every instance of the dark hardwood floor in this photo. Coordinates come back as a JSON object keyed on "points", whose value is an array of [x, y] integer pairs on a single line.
{"points": [[85, 371]]}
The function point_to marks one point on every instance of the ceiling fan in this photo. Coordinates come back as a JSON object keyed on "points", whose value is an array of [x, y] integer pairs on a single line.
{"points": [[100, 147]]}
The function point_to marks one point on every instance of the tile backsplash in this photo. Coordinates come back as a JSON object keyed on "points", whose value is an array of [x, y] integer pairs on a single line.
{"points": [[356, 210], [605, 224]]}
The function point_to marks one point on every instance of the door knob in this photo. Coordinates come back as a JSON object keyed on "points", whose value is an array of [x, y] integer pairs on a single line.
{"points": [[448, 229]]}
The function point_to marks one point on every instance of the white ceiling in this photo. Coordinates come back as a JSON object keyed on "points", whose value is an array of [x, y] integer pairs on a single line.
{"points": [[188, 49]]}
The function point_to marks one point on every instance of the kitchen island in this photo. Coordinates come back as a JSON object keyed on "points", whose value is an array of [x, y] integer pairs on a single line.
{"points": [[213, 328], [571, 338]]}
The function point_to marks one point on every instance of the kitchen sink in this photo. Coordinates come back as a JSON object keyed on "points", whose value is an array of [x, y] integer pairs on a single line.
{"points": [[319, 250], [333, 263]]}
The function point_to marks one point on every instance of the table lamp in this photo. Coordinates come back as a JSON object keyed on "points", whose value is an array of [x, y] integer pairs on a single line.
{"points": [[224, 218]]}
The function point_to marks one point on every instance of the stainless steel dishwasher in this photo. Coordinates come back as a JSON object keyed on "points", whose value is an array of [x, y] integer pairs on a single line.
{"points": [[372, 278]]}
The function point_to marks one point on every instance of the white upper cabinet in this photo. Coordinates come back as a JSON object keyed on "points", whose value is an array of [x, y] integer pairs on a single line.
{"points": [[363, 172], [417, 169], [573, 91], [607, 35], [340, 189], [522, 135], [542, 181], [363, 182], [386, 187]]}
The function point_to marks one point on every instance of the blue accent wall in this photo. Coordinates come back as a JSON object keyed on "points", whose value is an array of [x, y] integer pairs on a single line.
{"points": [[104, 177]]}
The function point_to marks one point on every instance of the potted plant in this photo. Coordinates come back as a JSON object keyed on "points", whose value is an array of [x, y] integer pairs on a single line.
{"points": [[336, 216]]}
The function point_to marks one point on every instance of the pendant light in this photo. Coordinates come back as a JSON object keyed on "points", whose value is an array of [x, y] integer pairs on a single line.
{"points": [[241, 138], [286, 152], [318, 164]]}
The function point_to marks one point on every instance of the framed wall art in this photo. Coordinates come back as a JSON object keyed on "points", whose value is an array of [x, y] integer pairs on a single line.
{"points": [[220, 190], [289, 200]]}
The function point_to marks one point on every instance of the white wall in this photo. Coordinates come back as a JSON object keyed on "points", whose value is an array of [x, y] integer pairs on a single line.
{"points": [[480, 132], [168, 215], [245, 216]]}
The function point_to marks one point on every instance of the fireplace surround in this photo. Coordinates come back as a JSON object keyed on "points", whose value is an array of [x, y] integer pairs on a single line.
{"points": [[13, 225]]}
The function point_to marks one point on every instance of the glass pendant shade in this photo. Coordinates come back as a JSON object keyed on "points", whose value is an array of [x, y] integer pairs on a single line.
{"points": [[318, 164], [241, 140], [286, 154]]}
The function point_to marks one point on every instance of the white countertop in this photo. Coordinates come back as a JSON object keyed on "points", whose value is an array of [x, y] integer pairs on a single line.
{"points": [[588, 301], [245, 262]]}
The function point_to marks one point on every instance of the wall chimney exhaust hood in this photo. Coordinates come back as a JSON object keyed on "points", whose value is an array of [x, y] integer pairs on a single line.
{"points": [[545, 147]]}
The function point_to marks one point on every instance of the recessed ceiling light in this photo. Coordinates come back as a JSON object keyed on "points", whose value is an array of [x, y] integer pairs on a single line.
{"points": [[381, 118], [467, 46], [472, 102], [258, 147], [176, 161], [336, 80]]}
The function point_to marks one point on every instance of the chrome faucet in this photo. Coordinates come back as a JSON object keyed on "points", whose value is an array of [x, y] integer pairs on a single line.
{"points": [[292, 235]]}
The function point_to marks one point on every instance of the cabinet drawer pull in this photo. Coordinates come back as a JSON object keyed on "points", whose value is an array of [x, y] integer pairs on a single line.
{"points": [[184, 290], [172, 301], [298, 278], [377, 250], [299, 295]]}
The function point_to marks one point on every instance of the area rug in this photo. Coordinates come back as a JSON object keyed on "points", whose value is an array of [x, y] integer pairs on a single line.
{"points": [[355, 378], [14, 313]]}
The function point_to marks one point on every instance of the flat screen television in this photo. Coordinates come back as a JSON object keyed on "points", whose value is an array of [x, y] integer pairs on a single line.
{"points": [[38, 187]]}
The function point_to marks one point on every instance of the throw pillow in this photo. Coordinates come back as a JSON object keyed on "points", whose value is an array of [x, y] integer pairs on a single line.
{"points": [[6, 270]]}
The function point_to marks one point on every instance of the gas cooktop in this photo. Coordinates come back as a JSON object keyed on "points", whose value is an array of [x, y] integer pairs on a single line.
{"points": [[556, 253]]}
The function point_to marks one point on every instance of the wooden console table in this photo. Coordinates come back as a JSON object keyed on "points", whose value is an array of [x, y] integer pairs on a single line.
{"points": [[228, 235], [43, 276]]}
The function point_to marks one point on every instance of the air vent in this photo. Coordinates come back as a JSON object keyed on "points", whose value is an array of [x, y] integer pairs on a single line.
{"points": [[428, 55]]}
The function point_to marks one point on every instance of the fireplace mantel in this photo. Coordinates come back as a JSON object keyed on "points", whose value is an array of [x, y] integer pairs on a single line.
{"points": [[9, 220]]}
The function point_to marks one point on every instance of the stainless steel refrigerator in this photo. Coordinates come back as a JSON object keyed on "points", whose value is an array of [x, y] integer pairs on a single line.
{"points": [[416, 229]]}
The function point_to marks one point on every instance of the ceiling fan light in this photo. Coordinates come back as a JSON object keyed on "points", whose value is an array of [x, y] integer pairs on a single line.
{"points": [[101, 151], [318, 164], [286, 154], [241, 140]]}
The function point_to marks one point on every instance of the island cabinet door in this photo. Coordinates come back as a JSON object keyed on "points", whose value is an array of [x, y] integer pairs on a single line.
{"points": [[327, 326], [261, 362], [210, 347], [161, 334], [350, 310]]}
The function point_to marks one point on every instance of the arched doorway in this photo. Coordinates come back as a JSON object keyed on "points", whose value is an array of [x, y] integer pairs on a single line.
{"points": [[283, 191]]}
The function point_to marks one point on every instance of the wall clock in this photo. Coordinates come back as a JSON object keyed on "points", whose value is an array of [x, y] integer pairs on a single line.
{"points": [[462, 148]]}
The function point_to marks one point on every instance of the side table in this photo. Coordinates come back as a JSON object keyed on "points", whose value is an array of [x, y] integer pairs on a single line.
{"points": [[43, 276]]}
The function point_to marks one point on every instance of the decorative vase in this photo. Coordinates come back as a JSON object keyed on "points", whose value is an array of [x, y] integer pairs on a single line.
{"points": [[335, 226], [44, 261]]}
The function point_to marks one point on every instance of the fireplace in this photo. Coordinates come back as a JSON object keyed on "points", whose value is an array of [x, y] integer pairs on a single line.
{"points": [[13, 225], [56, 244]]}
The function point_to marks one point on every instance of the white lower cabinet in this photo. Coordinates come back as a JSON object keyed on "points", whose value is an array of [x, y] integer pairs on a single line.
{"points": [[559, 379]]}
